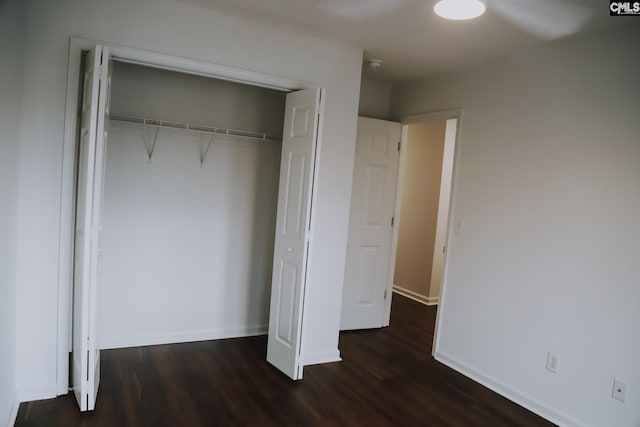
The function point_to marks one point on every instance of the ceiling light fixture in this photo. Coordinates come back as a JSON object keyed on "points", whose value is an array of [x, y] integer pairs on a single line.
{"points": [[459, 9], [374, 63]]}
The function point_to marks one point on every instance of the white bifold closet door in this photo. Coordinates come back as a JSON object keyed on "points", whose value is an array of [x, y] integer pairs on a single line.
{"points": [[292, 231], [88, 230]]}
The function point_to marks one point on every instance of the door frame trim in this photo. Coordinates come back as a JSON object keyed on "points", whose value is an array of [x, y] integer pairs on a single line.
{"points": [[68, 175]]}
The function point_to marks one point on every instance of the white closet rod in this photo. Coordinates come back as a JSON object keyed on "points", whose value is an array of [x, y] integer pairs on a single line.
{"points": [[195, 128]]}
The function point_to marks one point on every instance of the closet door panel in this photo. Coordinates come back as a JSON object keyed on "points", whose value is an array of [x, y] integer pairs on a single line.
{"points": [[292, 231], [85, 353]]}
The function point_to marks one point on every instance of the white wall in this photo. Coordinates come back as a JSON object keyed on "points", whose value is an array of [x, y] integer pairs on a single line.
{"points": [[12, 24], [188, 250], [547, 183], [375, 98], [178, 29], [161, 94]]}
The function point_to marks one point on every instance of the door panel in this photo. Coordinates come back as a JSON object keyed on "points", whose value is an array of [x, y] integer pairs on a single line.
{"points": [[288, 275], [292, 231], [368, 259], [87, 256], [294, 193], [370, 230], [374, 191], [98, 198]]}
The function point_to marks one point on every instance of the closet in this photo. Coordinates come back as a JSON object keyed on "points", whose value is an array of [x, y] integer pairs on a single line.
{"points": [[189, 210], [193, 211]]}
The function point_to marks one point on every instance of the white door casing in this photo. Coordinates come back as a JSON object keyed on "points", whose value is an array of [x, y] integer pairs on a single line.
{"points": [[293, 230], [87, 258], [373, 200]]}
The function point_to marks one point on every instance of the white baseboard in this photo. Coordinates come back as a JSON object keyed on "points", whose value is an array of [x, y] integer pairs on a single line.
{"points": [[324, 357], [37, 393], [552, 415], [107, 343], [14, 414], [416, 296]]}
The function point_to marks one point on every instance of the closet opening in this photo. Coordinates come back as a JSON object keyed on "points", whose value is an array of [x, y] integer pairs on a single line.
{"points": [[191, 211]]}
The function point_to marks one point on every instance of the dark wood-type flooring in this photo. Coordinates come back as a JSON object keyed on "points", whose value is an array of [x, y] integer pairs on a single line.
{"points": [[387, 378]]}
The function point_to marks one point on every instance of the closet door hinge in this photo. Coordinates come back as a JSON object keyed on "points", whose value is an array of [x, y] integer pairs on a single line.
{"points": [[385, 294], [392, 220], [399, 144]]}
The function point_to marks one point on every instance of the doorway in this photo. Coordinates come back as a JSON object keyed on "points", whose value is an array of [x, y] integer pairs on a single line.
{"points": [[300, 143], [425, 189], [356, 271]]}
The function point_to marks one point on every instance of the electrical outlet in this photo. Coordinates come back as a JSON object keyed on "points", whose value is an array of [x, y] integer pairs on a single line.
{"points": [[619, 390], [553, 362]]}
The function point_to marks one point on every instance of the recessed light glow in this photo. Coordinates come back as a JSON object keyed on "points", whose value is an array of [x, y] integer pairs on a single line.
{"points": [[459, 9]]}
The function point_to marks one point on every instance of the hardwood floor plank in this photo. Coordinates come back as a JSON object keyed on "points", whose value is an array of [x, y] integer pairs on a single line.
{"points": [[387, 378]]}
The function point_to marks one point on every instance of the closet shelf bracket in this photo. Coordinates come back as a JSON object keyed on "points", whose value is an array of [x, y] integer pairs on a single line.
{"points": [[153, 146], [201, 129], [203, 153]]}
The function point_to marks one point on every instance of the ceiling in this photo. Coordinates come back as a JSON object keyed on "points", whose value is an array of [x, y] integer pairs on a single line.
{"points": [[412, 41]]}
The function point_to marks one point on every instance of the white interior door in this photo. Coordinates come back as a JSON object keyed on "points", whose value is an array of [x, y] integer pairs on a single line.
{"points": [[442, 223], [297, 164], [87, 257], [367, 282]]}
